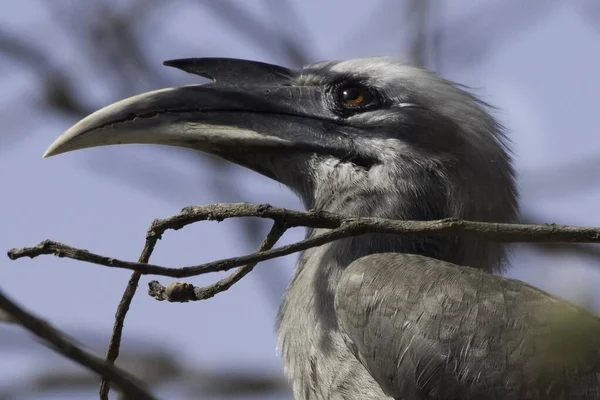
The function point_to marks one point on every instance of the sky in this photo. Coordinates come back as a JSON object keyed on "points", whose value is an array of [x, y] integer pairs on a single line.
{"points": [[542, 76]]}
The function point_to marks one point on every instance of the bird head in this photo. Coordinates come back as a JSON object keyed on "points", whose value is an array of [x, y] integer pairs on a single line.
{"points": [[371, 136]]}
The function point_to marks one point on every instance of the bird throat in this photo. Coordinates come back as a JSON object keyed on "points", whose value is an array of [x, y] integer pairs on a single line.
{"points": [[317, 360]]}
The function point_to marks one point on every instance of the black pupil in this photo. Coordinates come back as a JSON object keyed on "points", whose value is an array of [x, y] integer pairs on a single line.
{"points": [[351, 93]]}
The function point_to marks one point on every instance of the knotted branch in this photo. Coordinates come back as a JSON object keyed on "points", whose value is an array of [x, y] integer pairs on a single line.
{"points": [[182, 292], [338, 227]]}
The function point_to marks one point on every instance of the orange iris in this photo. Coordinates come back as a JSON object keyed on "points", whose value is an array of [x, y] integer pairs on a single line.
{"points": [[353, 96]]}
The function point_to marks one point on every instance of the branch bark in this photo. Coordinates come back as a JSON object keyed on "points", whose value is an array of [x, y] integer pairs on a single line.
{"points": [[182, 292], [340, 226]]}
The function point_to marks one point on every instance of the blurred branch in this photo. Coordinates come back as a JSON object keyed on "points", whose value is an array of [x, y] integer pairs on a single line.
{"points": [[575, 177], [109, 41], [582, 250], [60, 343], [287, 21], [59, 93], [151, 367], [157, 364], [23, 52], [470, 38], [251, 28], [437, 38], [590, 12], [418, 47]]}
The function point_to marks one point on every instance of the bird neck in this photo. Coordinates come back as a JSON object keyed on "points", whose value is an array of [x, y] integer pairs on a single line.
{"points": [[308, 334]]}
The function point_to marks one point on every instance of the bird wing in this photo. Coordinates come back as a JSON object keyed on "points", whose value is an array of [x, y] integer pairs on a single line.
{"points": [[429, 329]]}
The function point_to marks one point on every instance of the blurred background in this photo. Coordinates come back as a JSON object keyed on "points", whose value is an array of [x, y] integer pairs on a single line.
{"points": [[538, 61]]}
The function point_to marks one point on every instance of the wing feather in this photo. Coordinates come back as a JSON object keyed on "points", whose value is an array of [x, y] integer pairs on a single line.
{"points": [[428, 329]]}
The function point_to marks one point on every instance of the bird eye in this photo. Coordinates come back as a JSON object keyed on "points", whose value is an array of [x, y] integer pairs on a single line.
{"points": [[354, 96]]}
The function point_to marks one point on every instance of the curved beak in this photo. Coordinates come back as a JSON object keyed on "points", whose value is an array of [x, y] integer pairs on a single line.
{"points": [[265, 123], [199, 116]]}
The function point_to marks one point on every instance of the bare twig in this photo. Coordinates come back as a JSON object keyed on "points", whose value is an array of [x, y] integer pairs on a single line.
{"points": [[182, 292], [175, 292], [337, 227], [112, 353], [342, 227], [60, 342], [586, 251]]}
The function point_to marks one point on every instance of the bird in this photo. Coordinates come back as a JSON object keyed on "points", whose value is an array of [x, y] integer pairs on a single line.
{"points": [[378, 316]]}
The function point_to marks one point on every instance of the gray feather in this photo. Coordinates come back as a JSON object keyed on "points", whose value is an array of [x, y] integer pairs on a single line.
{"points": [[427, 329]]}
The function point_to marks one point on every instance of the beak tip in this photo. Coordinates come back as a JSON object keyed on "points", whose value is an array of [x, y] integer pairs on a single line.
{"points": [[171, 63], [55, 148], [48, 153]]}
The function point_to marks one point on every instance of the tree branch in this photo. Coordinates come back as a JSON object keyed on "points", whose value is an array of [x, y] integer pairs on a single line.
{"points": [[587, 251], [60, 342], [182, 292], [343, 227], [337, 227], [112, 353]]}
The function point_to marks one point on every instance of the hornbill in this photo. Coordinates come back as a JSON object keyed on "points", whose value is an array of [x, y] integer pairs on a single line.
{"points": [[378, 316]]}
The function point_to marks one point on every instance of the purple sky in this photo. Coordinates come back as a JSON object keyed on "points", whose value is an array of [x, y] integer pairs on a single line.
{"points": [[544, 80]]}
